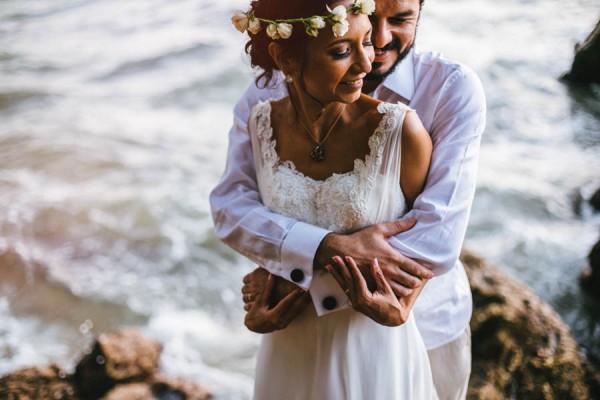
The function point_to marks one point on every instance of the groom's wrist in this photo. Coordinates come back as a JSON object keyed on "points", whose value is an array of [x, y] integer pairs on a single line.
{"points": [[326, 250]]}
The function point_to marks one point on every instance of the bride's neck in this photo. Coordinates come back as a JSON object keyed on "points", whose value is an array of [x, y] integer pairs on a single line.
{"points": [[314, 114]]}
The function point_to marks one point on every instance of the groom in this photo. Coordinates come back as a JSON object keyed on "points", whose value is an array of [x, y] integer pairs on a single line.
{"points": [[449, 99]]}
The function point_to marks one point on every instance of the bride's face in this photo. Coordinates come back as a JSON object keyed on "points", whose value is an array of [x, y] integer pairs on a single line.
{"points": [[334, 67]]}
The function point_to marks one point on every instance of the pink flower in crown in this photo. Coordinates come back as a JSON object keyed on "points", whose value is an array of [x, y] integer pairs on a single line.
{"points": [[240, 21]]}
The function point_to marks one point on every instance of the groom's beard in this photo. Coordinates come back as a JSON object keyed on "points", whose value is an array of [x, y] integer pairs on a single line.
{"points": [[393, 45]]}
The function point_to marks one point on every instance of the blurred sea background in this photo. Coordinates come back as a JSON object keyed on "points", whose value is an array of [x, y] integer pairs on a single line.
{"points": [[114, 118]]}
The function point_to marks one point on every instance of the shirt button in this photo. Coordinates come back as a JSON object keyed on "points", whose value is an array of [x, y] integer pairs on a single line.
{"points": [[329, 303], [297, 275]]}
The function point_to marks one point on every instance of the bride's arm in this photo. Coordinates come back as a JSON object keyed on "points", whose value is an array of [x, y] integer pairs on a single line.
{"points": [[416, 157]]}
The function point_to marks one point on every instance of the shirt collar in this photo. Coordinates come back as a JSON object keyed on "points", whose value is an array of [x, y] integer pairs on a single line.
{"points": [[402, 80]]}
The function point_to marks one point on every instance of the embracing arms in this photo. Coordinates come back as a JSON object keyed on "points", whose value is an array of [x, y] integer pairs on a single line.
{"points": [[283, 245]]}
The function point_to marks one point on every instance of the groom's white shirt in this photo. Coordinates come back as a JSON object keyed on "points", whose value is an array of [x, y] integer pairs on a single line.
{"points": [[449, 99]]}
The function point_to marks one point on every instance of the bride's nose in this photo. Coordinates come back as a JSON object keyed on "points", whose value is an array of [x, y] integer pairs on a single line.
{"points": [[364, 57]]}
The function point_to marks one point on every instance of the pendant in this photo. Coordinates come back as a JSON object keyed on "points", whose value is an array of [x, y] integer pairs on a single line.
{"points": [[318, 153]]}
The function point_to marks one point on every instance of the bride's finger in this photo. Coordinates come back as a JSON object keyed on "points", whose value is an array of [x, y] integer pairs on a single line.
{"points": [[380, 282], [337, 276], [360, 284], [284, 304], [296, 305], [342, 268], [263, 297]]}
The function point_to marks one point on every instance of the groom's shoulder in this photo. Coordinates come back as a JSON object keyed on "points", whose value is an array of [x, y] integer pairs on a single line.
{"points": [[259, 90], [433, 67]]}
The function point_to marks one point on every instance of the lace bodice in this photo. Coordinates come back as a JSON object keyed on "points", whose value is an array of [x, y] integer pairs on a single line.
{"points": [[368, 194]]}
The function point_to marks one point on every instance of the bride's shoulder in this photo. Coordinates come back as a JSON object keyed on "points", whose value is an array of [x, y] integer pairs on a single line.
{"points": [[279, 105], [367, 108]]}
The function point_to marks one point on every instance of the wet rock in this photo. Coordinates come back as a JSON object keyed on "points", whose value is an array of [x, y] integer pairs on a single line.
{"points": [[521, 347], [178, 388], [590, 276], [158, 388], [132, 391], [38, 383], [125, 356], [592, 378], [586, 63], [122, 366], [595, 200]]}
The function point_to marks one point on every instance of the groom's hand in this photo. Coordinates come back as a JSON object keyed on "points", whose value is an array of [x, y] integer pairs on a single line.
{"points": [[403, 274]]}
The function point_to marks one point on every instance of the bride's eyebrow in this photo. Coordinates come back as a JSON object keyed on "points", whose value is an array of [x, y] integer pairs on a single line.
{"points": [[348, 40], [339, 41]]}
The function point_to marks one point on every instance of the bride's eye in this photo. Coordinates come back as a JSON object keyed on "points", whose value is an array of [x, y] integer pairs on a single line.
{"points": [[340, 53]]}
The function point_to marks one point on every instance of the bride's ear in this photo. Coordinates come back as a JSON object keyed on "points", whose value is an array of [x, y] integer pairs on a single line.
{"points": [[286, 64]]}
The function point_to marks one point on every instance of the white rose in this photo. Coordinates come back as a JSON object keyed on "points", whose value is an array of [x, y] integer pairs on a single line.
{"points": [[284, 30], [317, 22], [312, 32], [338, 14], [340, 28], [367, 7], [313, 26], [272, 31], [240, 21], [254, 26]]}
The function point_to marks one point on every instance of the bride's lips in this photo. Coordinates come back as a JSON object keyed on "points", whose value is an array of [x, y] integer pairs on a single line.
{"points": [[354, 84]]}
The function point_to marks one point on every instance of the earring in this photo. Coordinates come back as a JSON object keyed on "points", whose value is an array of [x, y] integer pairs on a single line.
{"points": [[289, 78]]}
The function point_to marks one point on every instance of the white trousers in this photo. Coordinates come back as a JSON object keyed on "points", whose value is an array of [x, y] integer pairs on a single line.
{"points": [[451, 367]]}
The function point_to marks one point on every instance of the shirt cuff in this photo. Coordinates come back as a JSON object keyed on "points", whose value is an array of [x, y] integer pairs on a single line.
{"points": [[298, 252], [326, 294]]}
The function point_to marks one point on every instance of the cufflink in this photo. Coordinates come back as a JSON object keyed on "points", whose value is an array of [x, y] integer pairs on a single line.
{"points": [[297, 275], [329, 303]]}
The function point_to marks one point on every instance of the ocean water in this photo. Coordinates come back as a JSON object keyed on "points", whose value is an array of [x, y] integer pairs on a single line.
{"points": [[113, 129]]}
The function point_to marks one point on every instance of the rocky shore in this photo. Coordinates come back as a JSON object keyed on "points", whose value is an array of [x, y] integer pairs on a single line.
{"points": [[586, 62], [123, 365], [521, 350]]}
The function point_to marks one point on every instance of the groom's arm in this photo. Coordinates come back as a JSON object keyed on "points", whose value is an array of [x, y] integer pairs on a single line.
{"points": [[284, 246], [443, 209]]}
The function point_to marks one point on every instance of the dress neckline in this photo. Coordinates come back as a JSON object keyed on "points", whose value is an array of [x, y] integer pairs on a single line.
{"points": [[374, 154]]}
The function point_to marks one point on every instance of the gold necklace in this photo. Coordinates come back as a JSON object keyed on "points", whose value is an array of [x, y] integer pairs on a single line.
{"points": [[318, 152]]}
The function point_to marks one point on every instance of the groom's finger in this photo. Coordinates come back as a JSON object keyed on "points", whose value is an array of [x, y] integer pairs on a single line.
{"points": [[395, 227], [399, 290], [407, 268]]}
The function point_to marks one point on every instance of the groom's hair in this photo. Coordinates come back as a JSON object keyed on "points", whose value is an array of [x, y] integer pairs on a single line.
{"points": [[295, 46]]}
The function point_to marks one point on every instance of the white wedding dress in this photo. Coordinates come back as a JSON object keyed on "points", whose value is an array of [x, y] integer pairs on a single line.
{"points": [[344, 354]]}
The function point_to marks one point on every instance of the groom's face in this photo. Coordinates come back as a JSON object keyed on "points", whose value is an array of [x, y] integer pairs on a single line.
{"points": [[394, 29]]}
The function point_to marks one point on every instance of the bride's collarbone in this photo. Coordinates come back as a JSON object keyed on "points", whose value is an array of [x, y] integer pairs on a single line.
{"points": [[348, 142]]}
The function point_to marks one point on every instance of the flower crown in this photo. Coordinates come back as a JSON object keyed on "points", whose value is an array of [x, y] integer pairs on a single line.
{"points": [[282, 28]]}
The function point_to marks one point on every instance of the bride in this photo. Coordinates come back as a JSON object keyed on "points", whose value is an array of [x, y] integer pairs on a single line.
{"points": [[331, 156]]}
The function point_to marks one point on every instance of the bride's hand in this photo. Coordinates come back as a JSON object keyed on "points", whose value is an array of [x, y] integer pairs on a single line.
{"points": [[381, 305], [255, 281], [261, 318]]}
